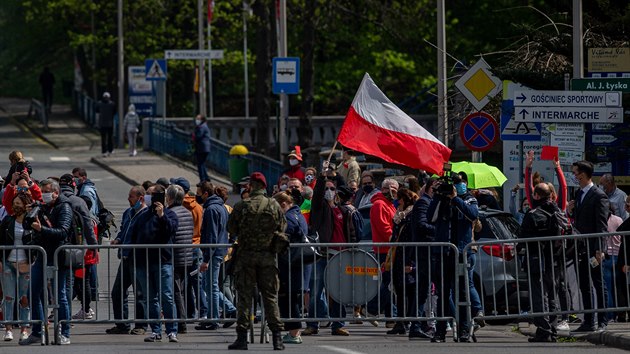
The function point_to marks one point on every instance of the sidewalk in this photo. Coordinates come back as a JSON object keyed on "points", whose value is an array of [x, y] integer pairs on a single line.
{"points": [[68, 132]]}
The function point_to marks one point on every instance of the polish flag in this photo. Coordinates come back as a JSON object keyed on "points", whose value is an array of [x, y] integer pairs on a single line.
{"points": [[376, 126]]}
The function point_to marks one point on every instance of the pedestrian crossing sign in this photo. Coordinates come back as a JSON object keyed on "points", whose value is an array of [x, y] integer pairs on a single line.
{"points": [[155, 69], [517, 131]]}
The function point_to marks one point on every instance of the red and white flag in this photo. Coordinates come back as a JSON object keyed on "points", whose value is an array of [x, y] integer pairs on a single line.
{"points": [[376, 126]]}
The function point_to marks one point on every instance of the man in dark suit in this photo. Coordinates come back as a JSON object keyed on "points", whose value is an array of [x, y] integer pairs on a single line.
{"points": [[590, 215]]}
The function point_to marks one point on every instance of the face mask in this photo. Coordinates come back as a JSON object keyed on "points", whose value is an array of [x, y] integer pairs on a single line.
{"points": [[47, 197], [293, 162], [18, 210], [147, 199], [198, 121], [460, 188], [309, 179], [367, 189], [406, 185], [137, 205], [283, 187], [329, 195], [199, 199], [77, 181]]}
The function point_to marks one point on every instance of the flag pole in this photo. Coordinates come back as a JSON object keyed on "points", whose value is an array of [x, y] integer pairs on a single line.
{"points": [[332, 150]]}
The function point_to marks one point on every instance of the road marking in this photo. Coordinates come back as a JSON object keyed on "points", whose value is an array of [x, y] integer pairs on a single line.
{"points": [[59, 158], [339, 350], [28, 158]]}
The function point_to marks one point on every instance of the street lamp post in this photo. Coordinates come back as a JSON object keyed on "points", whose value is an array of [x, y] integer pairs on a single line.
{"points": [[121, 78]]}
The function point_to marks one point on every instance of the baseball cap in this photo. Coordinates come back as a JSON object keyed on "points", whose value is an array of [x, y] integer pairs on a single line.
{"points": [[182, 182], [163, 181], [66, 179], [297, 153], [106, 95], [257, 176], [344, 192]]}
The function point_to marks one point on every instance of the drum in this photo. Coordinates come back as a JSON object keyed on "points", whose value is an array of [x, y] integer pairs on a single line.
{"points": [[352, 277]]}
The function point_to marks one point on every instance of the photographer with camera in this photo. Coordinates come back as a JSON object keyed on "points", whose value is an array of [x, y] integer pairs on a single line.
{"points": [[52, 225], [20, 183], [452, 210]]}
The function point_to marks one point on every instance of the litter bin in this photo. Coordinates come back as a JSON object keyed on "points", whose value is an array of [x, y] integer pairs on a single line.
{"points": [[238, 164]]}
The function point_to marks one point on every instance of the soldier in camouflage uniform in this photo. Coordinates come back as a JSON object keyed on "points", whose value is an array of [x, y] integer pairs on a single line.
{"points": [[255, 220]]}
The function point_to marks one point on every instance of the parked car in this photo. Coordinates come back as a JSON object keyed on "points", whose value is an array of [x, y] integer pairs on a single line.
{"points": [[498, 277]]}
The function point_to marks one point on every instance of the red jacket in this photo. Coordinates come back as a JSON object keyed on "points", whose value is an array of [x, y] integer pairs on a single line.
{"points": [[11, 191], [381, 220]]}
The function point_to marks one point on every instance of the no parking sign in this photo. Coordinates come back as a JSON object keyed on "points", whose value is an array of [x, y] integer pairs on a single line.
{"points": [[479, 131]]}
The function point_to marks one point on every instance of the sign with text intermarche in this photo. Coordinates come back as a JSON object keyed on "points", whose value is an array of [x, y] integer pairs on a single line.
{"points": [[192, 54], [567, 99], [569, 114]]}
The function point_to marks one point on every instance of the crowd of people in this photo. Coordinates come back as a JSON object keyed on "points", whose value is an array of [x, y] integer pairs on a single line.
{"points": [[213, 284]]}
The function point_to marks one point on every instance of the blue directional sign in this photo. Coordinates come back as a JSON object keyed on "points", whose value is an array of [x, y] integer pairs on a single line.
{"points": [[517, 131], [155, 69], [286, 75]]}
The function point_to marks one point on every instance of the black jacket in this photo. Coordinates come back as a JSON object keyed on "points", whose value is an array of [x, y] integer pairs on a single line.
{"points": [[80, 206], [7, 237], [56, 229], [591, 216]]}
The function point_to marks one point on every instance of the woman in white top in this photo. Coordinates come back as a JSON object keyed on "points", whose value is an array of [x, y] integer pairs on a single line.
{"points": [[15, 265], [131, 125]]}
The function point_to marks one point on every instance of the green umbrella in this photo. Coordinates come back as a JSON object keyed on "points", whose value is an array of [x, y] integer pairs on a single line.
{"points": [[480, 174]]}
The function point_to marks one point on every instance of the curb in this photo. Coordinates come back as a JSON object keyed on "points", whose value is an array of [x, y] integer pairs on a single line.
{"points": [[609, 339], [33, 131], [113, 171]]}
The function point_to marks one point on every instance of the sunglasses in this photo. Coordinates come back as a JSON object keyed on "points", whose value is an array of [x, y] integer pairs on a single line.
{"points": [[22, 189], [330, 189], [368, 183]]}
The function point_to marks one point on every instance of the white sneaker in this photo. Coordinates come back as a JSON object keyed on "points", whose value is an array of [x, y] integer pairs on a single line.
{"points": [[172, 337], [82, 315], [63, 340], [23, 335], [563, 326], [134, 153], [8, 336]]}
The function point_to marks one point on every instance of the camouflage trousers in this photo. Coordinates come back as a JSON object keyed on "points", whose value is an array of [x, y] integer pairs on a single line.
{"points": [[257, 270]]}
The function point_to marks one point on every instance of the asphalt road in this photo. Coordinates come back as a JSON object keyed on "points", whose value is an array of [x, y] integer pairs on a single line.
{"points": [[91, 338]]}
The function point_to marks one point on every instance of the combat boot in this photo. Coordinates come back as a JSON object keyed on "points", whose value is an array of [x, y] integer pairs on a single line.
{"points": [[277, 341], [241, 342]]}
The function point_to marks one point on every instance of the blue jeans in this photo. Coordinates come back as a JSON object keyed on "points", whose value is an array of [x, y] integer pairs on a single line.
{"points": [[159, 292], [318, 306], [120, 294], [218, 299], [609, 274], [197, 294], [475, 300], [15, 285], [37, 292], [201, 166], [385, 296]]}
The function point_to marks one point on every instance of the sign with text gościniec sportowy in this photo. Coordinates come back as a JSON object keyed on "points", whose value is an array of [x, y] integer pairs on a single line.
{"points": [[568, 106]]}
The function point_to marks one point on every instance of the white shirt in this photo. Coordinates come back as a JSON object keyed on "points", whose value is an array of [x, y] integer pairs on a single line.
{"points": [[18, 256]]}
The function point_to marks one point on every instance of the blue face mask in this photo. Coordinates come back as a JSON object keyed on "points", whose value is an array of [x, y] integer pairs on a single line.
{"points": [[137, 205], [460, 188]]}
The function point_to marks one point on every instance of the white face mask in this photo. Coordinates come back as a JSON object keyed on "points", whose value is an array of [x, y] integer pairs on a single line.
{"points": [[309, 179], [198, 121], [147, 199], [293, 162], [329, 195], [283, 187], [47, 197]]}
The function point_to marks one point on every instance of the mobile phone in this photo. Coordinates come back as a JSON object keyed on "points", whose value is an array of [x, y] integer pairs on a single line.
{"points": [[157, 197], [19, 167]]}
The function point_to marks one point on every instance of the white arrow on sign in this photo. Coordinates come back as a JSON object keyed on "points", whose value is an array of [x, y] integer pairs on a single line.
{"points": [[567, 99], [603, 139], [569, 114]]}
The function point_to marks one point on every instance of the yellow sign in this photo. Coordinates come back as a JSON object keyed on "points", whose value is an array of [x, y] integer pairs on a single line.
{"points": [[478, 84], [609, 60], [350, 270]]}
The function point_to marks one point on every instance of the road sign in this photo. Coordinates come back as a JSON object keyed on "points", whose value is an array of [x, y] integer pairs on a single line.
{"points": [[594, 84], [566, 129], [286, 75], [573, 143], [567, 157], [569, 114], [603, 139], [479, 85], [140, 91], [174, 54], [567, 99], [510, 129], [155, 69], [479, 131]]}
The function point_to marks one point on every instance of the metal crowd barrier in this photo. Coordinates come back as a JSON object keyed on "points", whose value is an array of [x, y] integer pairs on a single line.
{"points": [[513, 276], [13, 290], [37, 108]]}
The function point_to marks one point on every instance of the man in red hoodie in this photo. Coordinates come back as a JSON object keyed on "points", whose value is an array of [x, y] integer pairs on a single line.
{"points": [[382, 222]]}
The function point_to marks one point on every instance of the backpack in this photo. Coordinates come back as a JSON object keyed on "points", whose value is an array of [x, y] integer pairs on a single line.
{"points": [[73, 257], [106, 220], [352, 222]]}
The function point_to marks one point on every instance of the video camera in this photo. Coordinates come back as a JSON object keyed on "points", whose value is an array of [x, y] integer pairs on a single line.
{"points": [[447, 181], [31, 216]]}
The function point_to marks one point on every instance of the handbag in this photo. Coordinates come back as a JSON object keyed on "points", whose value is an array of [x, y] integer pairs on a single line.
{"points": [[73, 257], [310, 254]]}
